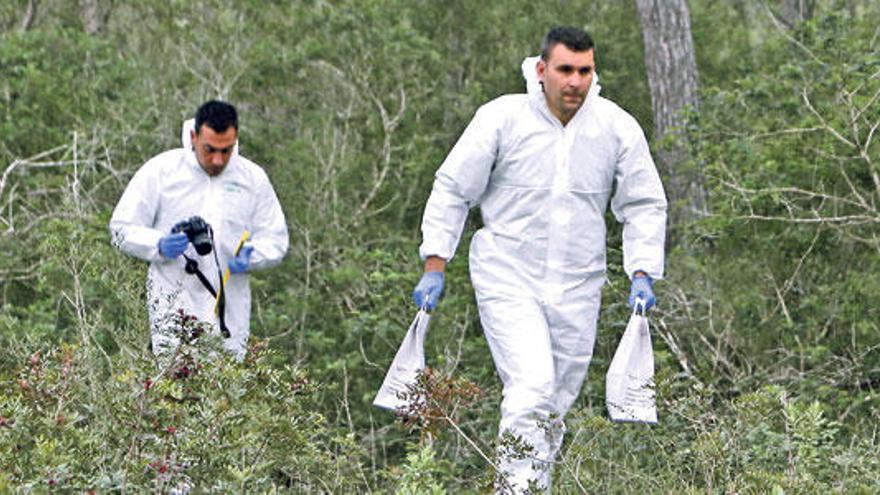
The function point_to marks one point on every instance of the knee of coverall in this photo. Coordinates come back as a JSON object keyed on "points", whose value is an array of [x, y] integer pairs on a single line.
{"points": [[525, 406], [573, 335]]}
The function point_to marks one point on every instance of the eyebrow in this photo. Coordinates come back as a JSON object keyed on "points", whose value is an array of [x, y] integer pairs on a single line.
{"points": [[212, 149], [566, 67]]}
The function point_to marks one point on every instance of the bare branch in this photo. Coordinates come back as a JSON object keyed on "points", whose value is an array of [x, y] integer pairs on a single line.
{"points": [[844, 219], [32, 162], [868, 140], [780, 298], [796, 130], [388, 127], [470, 442], [672, 343], [789, 283], [30, 15], [20, 273], [855, 191], [95, 14], [824, 122], [871, 100], [807, 194], [782, 30], [40, 219], [875, 37]]}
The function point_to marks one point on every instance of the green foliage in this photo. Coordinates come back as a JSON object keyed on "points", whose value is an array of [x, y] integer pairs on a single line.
{"points": [[198, 419], [766, 342], [790, 165], [419, 474], [761, 442]]}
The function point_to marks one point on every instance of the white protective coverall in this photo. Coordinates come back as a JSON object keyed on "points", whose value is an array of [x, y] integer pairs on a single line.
{"points": [[538, 263], [172, 187]]}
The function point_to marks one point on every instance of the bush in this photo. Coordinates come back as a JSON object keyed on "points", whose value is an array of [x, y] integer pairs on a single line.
{"points": [[197, 419]]}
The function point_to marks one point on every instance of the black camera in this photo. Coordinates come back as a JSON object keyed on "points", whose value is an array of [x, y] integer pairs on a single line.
{"points": [[198, 232]]}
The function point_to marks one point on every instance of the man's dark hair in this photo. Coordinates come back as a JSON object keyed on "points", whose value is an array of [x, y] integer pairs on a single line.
{"points": [[218, 115], [575, 39]]}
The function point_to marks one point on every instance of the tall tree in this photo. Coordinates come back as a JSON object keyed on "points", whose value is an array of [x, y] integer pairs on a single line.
{"points": [[673, 82]]}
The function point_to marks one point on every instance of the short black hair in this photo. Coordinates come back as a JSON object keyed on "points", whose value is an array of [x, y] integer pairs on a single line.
{"points": [[218, 115], [575, 39]]}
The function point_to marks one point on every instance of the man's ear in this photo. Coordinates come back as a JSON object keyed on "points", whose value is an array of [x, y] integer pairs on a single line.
{"points": [[192, 138], [540, 67]]}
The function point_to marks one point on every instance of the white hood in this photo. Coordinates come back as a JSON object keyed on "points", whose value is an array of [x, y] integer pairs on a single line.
{"points": [[186, 139], [533, 86]]}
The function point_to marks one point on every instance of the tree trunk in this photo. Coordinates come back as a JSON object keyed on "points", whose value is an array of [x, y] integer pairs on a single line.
{"points": [[95, 14], [796, 11], [673, 81], [29, 15]]}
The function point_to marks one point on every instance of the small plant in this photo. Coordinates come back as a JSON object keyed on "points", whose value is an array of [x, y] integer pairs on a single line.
{"points": [[434, 400]]}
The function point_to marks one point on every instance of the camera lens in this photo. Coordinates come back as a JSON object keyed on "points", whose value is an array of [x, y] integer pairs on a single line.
{"points": [[202, 242], [198, 232]]}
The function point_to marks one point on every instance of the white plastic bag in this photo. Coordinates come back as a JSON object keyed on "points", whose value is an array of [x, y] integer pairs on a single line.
{"points": [[629, 384], [408, 361]]}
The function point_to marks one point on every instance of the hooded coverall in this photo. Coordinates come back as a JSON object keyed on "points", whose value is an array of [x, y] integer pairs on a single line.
{"points": [[172, 187], [538, 263]]}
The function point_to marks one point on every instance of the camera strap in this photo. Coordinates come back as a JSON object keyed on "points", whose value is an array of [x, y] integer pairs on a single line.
{"points": [[192, 267]]}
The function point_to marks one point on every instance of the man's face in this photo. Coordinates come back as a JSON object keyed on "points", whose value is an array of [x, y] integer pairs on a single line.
{"points": [[567, 76], [213, 149]]}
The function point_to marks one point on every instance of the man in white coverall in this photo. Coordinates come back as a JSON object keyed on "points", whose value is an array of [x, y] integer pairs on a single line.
{"points": [[206, 178], [542, 168]]}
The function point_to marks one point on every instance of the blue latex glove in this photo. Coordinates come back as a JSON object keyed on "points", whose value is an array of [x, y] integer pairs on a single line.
{"points": [[642, 288], [427, 293], [173, 245], [240, 263]]}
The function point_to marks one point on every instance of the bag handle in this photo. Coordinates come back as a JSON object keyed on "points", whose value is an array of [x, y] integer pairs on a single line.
{"points": [[639, 304]]}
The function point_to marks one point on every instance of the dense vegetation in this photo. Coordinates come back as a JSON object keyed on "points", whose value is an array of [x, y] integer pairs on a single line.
{"points": [[766, 334]]}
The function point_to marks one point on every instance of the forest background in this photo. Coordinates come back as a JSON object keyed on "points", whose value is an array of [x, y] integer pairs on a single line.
{"points": [[766, 333]]}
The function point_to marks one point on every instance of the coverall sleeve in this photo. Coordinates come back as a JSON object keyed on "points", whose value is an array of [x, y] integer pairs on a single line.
{"points": [[131, 225], [269, 237], [458, 185], [639, 203]]}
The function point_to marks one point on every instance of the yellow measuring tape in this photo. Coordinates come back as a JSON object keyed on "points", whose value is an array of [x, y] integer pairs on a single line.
{"points": [[244, 238]]}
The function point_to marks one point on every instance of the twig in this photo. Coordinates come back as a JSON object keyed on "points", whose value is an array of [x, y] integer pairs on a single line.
{"points": [[844, 219], [388, 127], [789, 37], [825, 124], [471, 442], [673, 346], [345, 402], [31, 162], [796, 130], [780, 298], [794, 190]]}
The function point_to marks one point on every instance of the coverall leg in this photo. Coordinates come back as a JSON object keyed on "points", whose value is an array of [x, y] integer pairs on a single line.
{"points": [[541, 352]]}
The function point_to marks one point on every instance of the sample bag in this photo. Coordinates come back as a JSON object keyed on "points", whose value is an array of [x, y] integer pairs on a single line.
{"points": [[408, 361], [629, 385]]}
